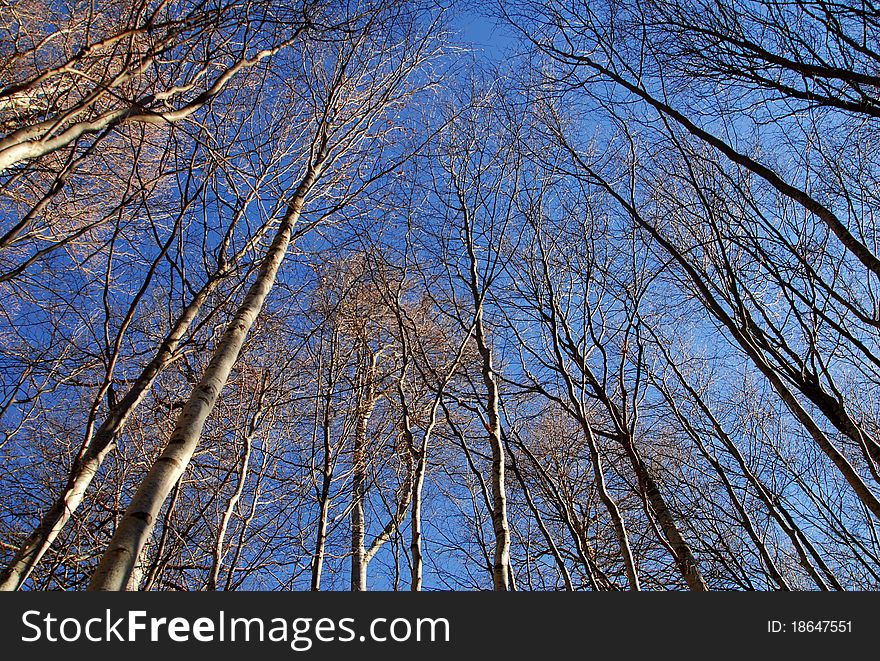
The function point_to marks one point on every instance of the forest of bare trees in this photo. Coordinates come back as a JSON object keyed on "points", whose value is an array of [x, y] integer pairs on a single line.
{"points": [[410, 295]]}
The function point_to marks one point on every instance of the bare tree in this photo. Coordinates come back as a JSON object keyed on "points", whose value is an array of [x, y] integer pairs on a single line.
{"points": [[365, 81]]}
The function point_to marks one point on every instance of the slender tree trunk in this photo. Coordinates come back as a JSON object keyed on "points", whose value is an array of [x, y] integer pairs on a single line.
{"points": [[326, 476], [418, 484], [321, 538], [415, 544], [740, 335], [418, 456], [217, 556], [551, 543], [359, 478], [629, 562], [86, 466], [681, 550], [501, 564], [137, 524], [358, 564]]}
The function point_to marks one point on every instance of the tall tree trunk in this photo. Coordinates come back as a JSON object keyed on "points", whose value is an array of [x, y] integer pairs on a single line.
{"points": [[359, 477], [418, 482], [681, 550], [501, 564], [326, 474], [137, 524], [86, 466], [160, 559], [137, 575], [418, 476], [321, 537], [219, 551], [415, 545]]}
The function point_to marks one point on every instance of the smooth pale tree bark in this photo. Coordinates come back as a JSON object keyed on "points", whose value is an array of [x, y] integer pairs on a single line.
{"points": [[69, 123], [501, 562], [359, 474], [610, 504], [103, 441], [415, 545], [608, 501], [405, 494], [419, 450], [397, 517], [323, 520], [328, 465], [137, 524], [418, 479], [232, 503], [137, 576], [101, 444], [500, 525], [160, 559], [418, 482]]}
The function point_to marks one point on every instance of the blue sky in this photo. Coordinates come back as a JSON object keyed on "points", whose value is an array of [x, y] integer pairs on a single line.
{"points": [[487, 34]]}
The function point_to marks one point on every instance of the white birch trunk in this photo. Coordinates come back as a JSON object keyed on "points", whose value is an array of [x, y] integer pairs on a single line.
{"points": [[219, 545], [501, 563], [326, 476], [359, 480], [137, 524], [89, 462]]}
